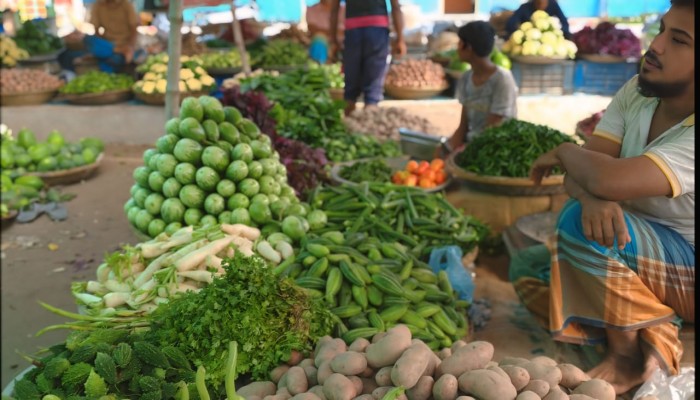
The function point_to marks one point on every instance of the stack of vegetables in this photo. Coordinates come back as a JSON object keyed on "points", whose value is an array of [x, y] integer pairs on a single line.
{"points": [[18, 193], [220, 61], [193, 78], [26, 154], [97, 82], [34, 37], [606, 39], [384, 122], [10, 53], [416, 74], [541, 36], [212, 165], [509, 149], [281, 53], [22, 81], [424, 174], [304, 111]]}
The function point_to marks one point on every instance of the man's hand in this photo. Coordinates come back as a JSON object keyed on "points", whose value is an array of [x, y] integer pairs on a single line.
{"points": [[399, 48], [334, 48], [543, 166], [127, 51], [604, 222]]}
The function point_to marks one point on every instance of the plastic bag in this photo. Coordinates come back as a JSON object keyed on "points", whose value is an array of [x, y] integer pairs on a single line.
{"points": [[664, 387], [449, 259]]}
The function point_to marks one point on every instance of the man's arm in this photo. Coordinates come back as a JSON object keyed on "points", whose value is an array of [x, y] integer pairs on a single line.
{"points": [[562, 18], [513, 23], [335, 8], [594, 143], [397, 18], [457, 138]]}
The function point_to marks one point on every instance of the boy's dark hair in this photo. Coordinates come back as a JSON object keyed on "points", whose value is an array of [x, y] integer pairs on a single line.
{"points": [[479, 35], [683, 3]]}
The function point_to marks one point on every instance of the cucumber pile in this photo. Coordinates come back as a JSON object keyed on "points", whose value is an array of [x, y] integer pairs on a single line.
{"points": [[18, 193], [212, 166]]}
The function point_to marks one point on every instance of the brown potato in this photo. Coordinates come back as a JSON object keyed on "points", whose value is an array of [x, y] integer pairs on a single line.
{"points": [[364, 397], [324, 371], [487, 385], [556, 394], [368, 373], [519, 376], [383, 377], [339, 387], [318, 391], [580, 397], [311, 374], [388, 349], [572, 376], [528, 395], [277, 373], [474, 355], [545, 360], [307, 362], [297, 381], [519, 361], [538, 386], [329, 351], [368, 385], [445, 388], [544, 372], [379, 392], [349, 363], [423, 389], [411, 365], [359, 385], [359, 345], [306, 396], [260, 389], [596, 388]]}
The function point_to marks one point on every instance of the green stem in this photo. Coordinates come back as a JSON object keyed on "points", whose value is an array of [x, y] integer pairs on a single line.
{"points": [[200, 384]]}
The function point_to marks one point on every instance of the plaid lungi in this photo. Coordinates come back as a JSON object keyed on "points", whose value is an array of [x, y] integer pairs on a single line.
{"points": [[647, 286]]}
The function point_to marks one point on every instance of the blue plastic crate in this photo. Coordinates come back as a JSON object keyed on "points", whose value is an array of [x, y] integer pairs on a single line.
{"points": [[555, 79], [602, 78]]}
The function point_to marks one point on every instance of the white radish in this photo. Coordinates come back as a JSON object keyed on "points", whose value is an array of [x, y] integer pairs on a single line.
{"points": [[133, 270], [285, 249], [214, 262], [114, 286], [102, 272], [191, 260], [161, 300], [116, 299], [183, 287], [266, 250], [88, 299], [230, 252], [95, 287], [147, 307], [241, 230], [199, 276], [147, 273]]}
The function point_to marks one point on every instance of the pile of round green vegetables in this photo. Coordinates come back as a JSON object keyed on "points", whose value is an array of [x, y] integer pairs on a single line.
{"points": [[367, 171], [510, 149], [212, 166], [281, 52], [98, 82]]}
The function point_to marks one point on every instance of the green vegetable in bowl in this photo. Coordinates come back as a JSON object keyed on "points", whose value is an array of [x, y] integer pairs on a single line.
{"points": [[97, 82], [369, 171]]}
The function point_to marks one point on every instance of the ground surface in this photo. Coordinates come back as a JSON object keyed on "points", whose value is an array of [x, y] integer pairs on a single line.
{"points": [[33, 272]]}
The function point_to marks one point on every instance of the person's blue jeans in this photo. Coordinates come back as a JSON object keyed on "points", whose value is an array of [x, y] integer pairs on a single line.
{"points": [[103, 50], [365, 62]]}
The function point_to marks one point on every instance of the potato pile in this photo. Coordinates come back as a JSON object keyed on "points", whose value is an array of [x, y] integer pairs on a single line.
{"points": [[416, 74], [384, 122], [27, 81], [394, 361]]}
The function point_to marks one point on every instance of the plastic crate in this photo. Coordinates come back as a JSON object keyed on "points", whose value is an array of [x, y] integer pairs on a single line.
{"points": [[603, 78], [556, 79]]}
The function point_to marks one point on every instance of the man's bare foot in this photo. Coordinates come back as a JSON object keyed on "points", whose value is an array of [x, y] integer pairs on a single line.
{"points": [[624, 373]]}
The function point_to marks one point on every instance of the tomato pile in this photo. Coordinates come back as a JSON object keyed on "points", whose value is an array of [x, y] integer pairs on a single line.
{"points": [[423, 174]]}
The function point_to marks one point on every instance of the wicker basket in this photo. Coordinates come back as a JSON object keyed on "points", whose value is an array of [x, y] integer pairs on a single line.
{"points": [[602, 58], [27, 99], [504, 185], [69, 176], [413, 93], [538, 59], [45, 57], [337, 93], [158, 99], [98, 99]]}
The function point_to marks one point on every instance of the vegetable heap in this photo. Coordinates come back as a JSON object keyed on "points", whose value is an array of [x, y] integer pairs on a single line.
{"points": [[27, 80], [424, 174], [10, 53], [606, 39], [229, 59], [420, 74], [384, 122], [509, 149], [34, 37], [541, 36], [212, 165], [97, 82], [26, 154], [456, 64], [139, 278], [18, 193], [193, 78], [281, 52], [367, 171]]}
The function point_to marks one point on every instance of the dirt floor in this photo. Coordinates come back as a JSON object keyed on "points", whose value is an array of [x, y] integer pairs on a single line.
{"points": [[41, 259]]}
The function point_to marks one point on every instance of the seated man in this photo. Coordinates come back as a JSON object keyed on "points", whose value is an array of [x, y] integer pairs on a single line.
{"points": [[114, 41], [623, 263]]}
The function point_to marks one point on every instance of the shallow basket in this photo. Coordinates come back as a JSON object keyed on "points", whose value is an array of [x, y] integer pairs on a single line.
{"points": [[395, 163], [224, 71], [337, 93], [602, 58], [142, 237], [46, 57], [538, 59], [98, 99], [413, 93], [69, 176], [505, 185], [27, 99]]}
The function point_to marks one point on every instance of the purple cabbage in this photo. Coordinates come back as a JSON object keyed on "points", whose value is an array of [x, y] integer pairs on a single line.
{"points": [[606, 39]]}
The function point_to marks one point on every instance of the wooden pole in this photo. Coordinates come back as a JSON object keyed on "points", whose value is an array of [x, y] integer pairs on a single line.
{"points": [[238, 38], [172, 95]]}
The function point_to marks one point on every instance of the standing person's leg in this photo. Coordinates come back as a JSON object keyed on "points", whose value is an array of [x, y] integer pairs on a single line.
{"points": [[352, 67], [629, 298], [374, 64]]}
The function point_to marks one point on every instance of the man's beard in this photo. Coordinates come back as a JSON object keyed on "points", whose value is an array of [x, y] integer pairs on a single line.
{"points": [[661, 90]]}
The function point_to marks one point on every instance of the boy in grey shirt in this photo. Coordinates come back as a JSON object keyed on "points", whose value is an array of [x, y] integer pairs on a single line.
{"points": [[487, 92]]}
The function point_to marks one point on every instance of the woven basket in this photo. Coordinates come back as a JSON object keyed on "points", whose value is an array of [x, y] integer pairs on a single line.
{"points": [[98, 99], [504, 185], [69, 176], [538, 59], [27, 99], [337, 93], [413, 93], [602, 58]]}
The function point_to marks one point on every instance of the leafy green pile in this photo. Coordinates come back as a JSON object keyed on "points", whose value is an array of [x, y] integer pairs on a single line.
{"points": [[34, 37], [367, 171], [268, 316], [350, 147], [509, 149], [92, 364], [281, 52], [97, 82]]}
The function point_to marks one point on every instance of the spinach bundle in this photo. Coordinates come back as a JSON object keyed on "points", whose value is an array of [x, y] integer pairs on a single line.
{"points": [[510, 149]]}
